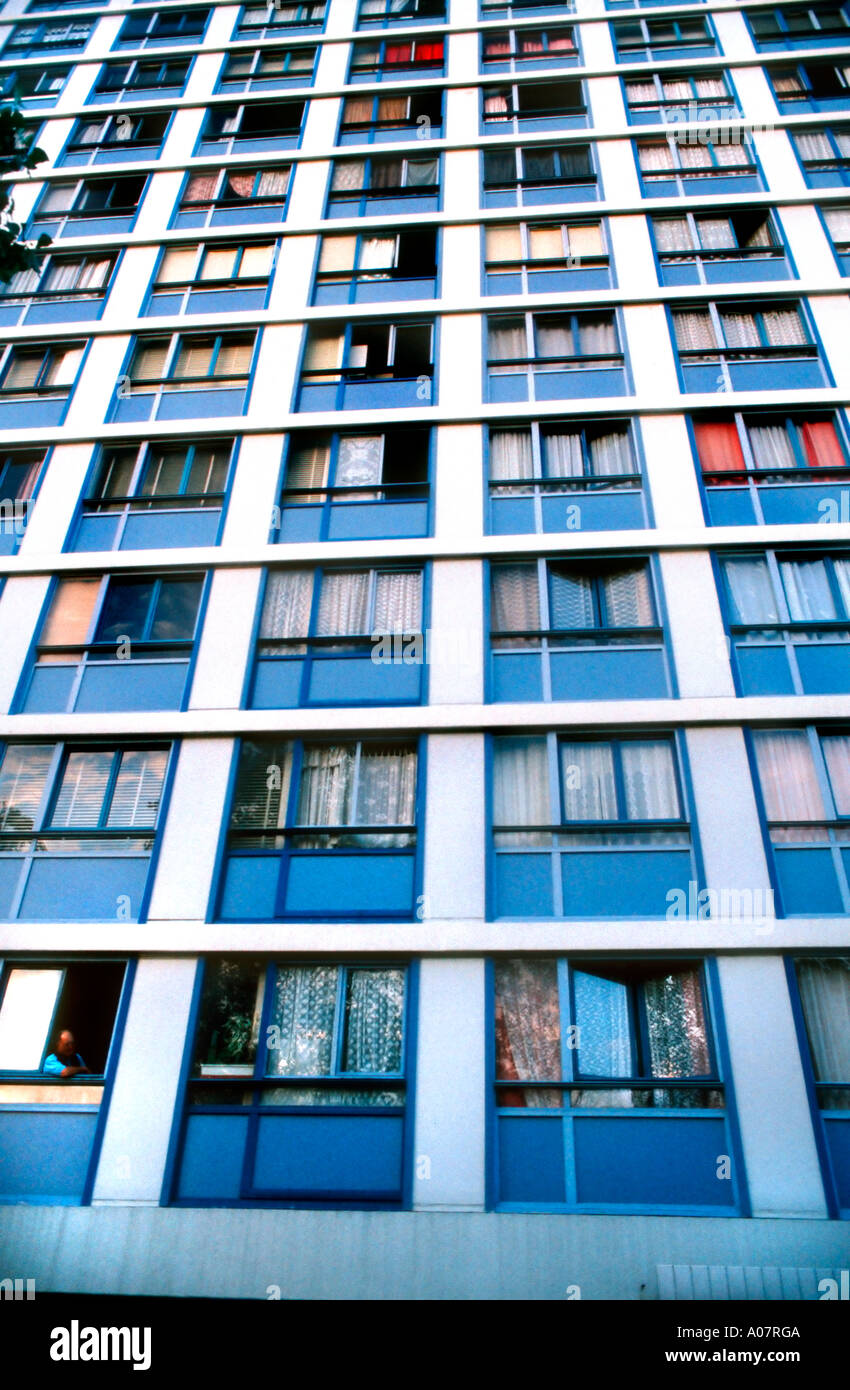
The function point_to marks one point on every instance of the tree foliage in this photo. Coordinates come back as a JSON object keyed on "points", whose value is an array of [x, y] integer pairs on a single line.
{"points": [[17, 154]]}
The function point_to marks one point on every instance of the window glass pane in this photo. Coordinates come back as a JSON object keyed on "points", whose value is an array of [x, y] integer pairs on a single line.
{"points": [[218, 263], [836, 751], [148, 363], [521, 782], [771, 446], [29, 1001], [176, 610], [125, 610], [511, 454], [374, 1019], [604, 1026], [208, 472], [234, 357], [178, 265], [387, 786], [807, 590], [825, 995], [627, 596], [337, 253], [359, 460], [303, 1010], [587, 776], [398, 602], [262, 785], [787, 775], [528, 1028], [138, 787], [23, 778], [650, 780], [545, 243], [286, 606], [229, 1023], [570, 598], [506, 340], [515, 599], [675, 1023], [503, 243], [751, 590], [69, 617], [83, 788], [586, 240], [325, 793], [194, 358], [344, 603]]}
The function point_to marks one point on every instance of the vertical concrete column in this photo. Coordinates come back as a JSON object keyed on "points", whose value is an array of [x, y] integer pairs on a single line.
{"points": [[454, 827], [697, 636], [456, 638], [224, 648], [725, 811], [20, 605], [48, 523], [189, 837]]}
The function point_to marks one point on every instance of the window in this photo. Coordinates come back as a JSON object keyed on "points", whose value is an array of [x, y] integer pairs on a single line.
{"points": [[707, 248], [587, 827], [816, 86], [259, 126], [520, 9], [150, 495], [356, 485], [33, 87], [804, 776], [586, 1050], [382, 12], [537, 175], [77, 826], [39, 1002], [720, 165], [645, 39], [81, 280], [267, 67], [534, 106], [312, 1057], [824, 987], [824, 156], [159, 28], [772, 467], [95, 204], [211, 276], [521, 49], [228, 197], [209, 372], [365, 363], [529, 257], [705, 96], [390, 57], [341, 637], [549, 356], [266, 21], [139, 136], [378, 118], [382, 184], [573, 630], [796, 24], [43, 40], [37, 381], [766, 344], [382, 265], [20, 470], [123, 81], [322, 831], [837, 222]]}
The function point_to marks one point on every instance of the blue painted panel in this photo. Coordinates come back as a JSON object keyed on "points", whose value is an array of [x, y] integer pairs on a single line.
{"points": [[618, 674], [131, 409], [623, 883], [45, 1153], [552, 281], [239, 216], [826, 178], [300, 523], [132, 685], [345, 1154], [639, 1159], [523, 885], [423, 202], [10, 872], [593, 511], [85, 887], [838, 1143], [517, 675], [559, 193], [98, 226], [730, 506], [250, 888], [679, 273], [189, 219], [9, 538], [807, 881], [225, 301], [512, 516], [763, 670], [785, 375], [161, 305], [331, 294], [361, 680], [97, 532], [64, 311], [342, 884], [383, 291], [505, 198], [753, 268], [277, 683], [30, 414], [556, 386], [10, 313], [370, 520], [824, 667], [508, 388], [50, 689], [188, 405], [154, 529], [126, 154], [212, 1156], [503, 283], [317, 397], [380, 395], [531, 1159], [803, 502]]}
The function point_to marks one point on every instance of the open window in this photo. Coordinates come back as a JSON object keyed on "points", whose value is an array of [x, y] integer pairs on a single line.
{"points": [[771, 467], [356, 485], [377, 266], [365, 364]]}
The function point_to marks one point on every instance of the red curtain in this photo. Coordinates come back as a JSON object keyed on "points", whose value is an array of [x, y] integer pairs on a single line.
{"points": [[429, 52], [719, 449], [398, 53], [821, 444]]}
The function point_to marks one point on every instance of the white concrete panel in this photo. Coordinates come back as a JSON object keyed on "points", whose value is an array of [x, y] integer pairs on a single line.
{"points": [[459, 362], [130, 284], [57, 499], [604, 94], [778, 161], [158, 202], [225, 641], [307, 199], [274, 379], [618, 171], [631, 253], [670, 469], [596, 45], [461, 184], [138, 1127], [831, 314], [189, 838], [806, 238], [254, 494], [463, 51], [650, 351], [20, 606], [726, 814], [97, 382], [460, 266], [459, 515], [454, 884], [456, 639], [696, 628], [291, 282]]}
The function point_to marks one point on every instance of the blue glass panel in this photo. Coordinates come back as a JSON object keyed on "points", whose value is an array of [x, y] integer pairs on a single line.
{"points": [[187, 405], [341, 884], [517, 675], [803, 502], [679, 273], [347, 1155], [189, 219], [384, 291], [422, 202], [784, 375], [512, 516], [618, 674], [807, 881], [212, 1156], [277, 683], [824, 667], [763, 670], [161, 305], [132, 685], [730, 506], [523, 885], [31, 414], [131, 409], [91, 889], [9, 538], [551, 281], [188, 526], [226, 301], [508, 388], [370, 520], [753, 268], [239, 216], [562, 193], [300, 523], [593, 511], [362, 681], [250, 888], [502, 283], [380, 395], [331, 294], [49, 689], [97, 532], [98, 226], [838, 1143], [640, 1159], [317, 397], [531, 1159], [10, 872], [506, 198], [590, 381], [9, 313], [64, 311], [623, 883], [126, 154], [45, 1153]]}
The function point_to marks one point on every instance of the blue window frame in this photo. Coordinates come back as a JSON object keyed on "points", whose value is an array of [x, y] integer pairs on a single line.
{"points": [[88, 206], [77, 829], [61, 289], [263, 69], [773, 468], [820, 990], [577, 629], [269, 20], [379, 266], [523, 50], [631, 4], [564, 475], [709, 248], [49, 1123], [541, 257], [552, 356], [527, 106], [815, 86], [185, 375], [645, 40], [111, 642], [37, 381], [532, 177], [34, 87], [234, 197], [211, 277], [147, 496], [346, 486], [789, 621], [161, 27], [322, 832], [43, 40], [794, 26], [340, 637], [608, 1089], [384, 184], [824, 156], [521, 9], [730, 346], [837, 222], [375, 119], [804, 780], [695, 96], [395, 12], [367, 365], [298, 1085], [116, 139], [384, 60], [588, 827], [20, 473], [165, 77], [256, 126], [701, 163]]}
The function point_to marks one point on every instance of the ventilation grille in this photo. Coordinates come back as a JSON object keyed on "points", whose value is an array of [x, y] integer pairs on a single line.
{"points": [[680, 1282]]}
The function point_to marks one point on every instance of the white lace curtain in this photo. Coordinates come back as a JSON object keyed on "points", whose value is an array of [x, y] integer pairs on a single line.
{"points": [[649, 781], [339, 788], [511, 454], [305, 1011], [515, 598], [521, 783], [787, 776], [825, 994], [751, 590]]}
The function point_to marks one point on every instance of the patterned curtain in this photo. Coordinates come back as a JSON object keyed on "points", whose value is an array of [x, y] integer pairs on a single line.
{"points": [[694, 330], [672, 234], [528, 1031], [374, 1021], [510, 456], [650, 780], [325, 792], [303, 1009], [398, 601], [587, 775], [603, 1017], [515, 598], [611, 454], [836, 752], [562, 455], [344, 604], [386, 792], [570, 598], [286, 606], [771, 446], [628, 597], [675, 1024], [359, 462]]}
